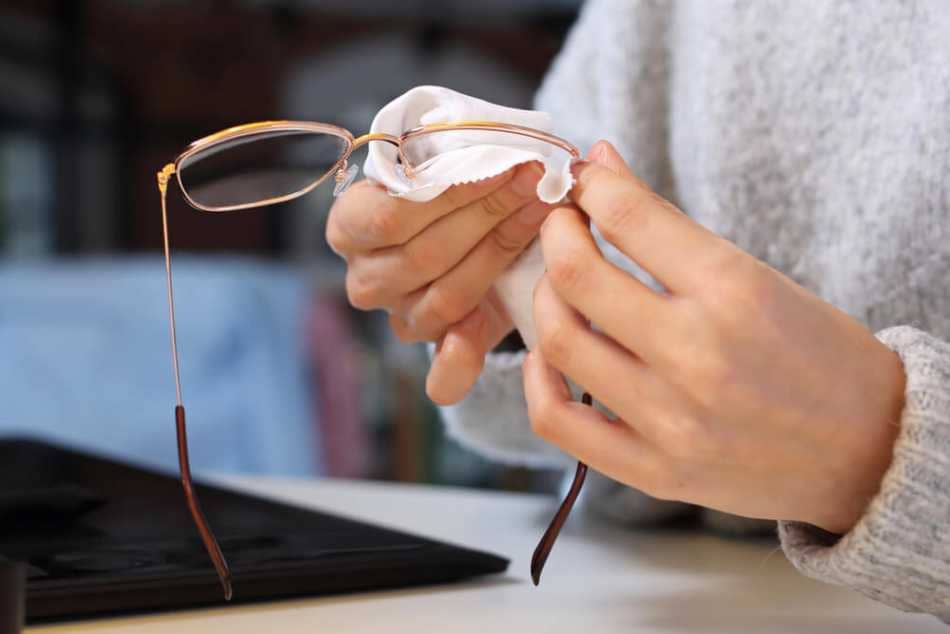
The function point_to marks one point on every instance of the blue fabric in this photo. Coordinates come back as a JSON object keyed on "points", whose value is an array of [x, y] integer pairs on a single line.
{"points": [[86, 361]]}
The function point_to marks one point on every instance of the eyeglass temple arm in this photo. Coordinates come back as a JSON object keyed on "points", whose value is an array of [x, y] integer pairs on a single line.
{"points": [[184, 466], [543, 549]]}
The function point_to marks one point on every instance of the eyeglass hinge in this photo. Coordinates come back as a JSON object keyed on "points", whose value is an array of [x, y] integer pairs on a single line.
{"points": [[163, 177]]}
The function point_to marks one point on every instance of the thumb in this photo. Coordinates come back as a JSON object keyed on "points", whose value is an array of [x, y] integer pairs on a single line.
{"points": [[603, 153]]}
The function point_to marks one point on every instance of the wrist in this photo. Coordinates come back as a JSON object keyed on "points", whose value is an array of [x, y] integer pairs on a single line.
{"points": [[860, 467]]}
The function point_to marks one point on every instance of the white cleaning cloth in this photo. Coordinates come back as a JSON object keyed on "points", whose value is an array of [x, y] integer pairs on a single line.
{"points": [[461, 157]]}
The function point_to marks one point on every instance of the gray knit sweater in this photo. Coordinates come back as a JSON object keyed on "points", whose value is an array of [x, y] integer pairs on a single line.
{"points": [[816, 136]]}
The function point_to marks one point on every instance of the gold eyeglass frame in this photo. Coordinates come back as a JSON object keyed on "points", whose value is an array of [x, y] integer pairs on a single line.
{"points": [[339, 169]]}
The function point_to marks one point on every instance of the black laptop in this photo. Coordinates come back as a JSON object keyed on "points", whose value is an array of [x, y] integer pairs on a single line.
{"points": [[102, 537]]}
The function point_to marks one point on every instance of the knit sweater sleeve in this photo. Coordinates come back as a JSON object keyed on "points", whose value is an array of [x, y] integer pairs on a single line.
{"points": [[899, 551]]}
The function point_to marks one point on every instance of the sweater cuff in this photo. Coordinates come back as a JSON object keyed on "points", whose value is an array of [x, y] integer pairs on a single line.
{"points": [[899, 551]]}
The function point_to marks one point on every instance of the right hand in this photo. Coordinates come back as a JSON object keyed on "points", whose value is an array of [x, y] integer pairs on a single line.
{"points": [[431, 265]]}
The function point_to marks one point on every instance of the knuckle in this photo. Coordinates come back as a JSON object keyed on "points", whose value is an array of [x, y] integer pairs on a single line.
{"points": [[742, 283], [338, 234], [506, 241], [360, 292], [566, 269], [731, 277], [457, 196], [729, 261], [383, 225], [554, 338], [625, 215], [495, 204], [544, 419], [444, 306]]}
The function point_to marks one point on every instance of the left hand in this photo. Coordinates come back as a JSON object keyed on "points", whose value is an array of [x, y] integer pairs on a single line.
{"points": [[736, 389]]}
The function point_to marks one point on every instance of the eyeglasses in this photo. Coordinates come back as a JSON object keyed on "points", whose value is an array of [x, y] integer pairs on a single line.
{"points": [[261, 164]]}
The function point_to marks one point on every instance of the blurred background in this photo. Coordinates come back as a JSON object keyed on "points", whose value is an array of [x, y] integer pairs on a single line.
{"points": [[279, 375]]}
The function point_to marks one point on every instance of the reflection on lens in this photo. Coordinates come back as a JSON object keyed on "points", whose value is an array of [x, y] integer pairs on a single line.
{"points": [[259, 167], [422, 149]]}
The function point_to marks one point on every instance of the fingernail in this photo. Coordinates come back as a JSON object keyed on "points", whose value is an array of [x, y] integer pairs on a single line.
{"points": [[533, 213], [598, 152], [525, 182]]}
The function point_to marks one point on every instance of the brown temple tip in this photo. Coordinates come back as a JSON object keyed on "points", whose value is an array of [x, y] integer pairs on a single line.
{"points": [[191, 498], [537, 564], [543, 550], [540, 556]]}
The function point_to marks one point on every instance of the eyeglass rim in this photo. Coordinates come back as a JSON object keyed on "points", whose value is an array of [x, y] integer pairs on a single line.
{"points": [[351, 143], [254, 129]]}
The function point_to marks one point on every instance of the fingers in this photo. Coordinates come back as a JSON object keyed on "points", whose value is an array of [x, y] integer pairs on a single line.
{"points": [[366, 217], [455, 294], [613, 375], [605, 154], [647, 228], [611, 298], [375, 279], [460, 355], [616, 450]]}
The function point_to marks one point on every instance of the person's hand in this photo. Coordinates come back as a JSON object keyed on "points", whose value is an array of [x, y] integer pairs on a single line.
{"points": [[736, 389], [431, 265]]}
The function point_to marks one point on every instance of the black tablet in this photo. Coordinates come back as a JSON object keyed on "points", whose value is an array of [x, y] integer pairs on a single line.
{"points": [[103, 537]]}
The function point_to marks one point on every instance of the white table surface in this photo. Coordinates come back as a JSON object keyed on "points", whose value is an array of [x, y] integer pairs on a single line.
{"points": [[598, 579]]}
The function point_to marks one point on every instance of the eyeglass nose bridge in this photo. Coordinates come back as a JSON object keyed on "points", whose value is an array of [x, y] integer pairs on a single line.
{"points": [[345, 175], [375, 136]]}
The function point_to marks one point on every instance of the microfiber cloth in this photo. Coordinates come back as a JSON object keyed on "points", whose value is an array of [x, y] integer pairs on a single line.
{"points": [[467, 156]]}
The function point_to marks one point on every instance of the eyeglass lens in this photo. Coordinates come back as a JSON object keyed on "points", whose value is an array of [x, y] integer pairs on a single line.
{"points": [[259, 167]]}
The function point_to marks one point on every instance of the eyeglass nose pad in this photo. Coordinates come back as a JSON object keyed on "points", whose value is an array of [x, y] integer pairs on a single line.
{"points": [[344, 178]]}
